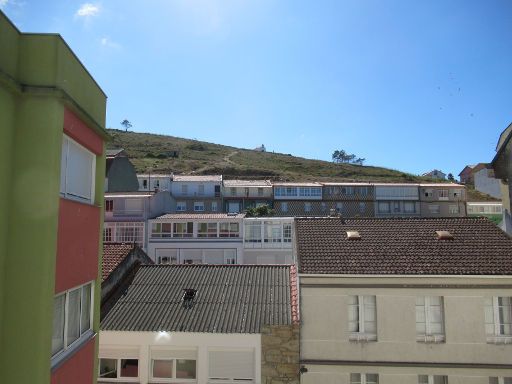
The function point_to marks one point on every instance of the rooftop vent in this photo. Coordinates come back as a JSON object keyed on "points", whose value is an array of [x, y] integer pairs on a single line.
{"points": [[353, 235], [188, 297], [444, 235]]}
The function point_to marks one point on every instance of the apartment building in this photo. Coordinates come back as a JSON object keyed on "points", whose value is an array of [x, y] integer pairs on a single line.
{"points": [[299, 199], [503, 170], [196, 193], [52, 119], [126, 214], [240, 195], [208, 238], [485, 182], [120, 173], [154, 182], [392, 200], [442, 200], [349, 199], [404, 301], [203, 324]]}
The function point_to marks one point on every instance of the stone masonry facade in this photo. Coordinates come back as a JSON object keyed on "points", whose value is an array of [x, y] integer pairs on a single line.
{"points": [[280, 354]]}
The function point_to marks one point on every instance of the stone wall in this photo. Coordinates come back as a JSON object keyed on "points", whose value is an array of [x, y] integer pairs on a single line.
{"points": [[280, 354]]}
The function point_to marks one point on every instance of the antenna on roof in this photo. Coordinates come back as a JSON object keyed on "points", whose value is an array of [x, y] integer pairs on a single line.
{"points": [[188, 297]]}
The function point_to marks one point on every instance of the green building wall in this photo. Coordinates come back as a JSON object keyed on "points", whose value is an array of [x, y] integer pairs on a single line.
{"points": [[39, 77]]}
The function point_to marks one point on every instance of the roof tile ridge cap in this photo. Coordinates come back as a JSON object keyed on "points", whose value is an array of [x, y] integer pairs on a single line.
{"points": [[294, 295]]}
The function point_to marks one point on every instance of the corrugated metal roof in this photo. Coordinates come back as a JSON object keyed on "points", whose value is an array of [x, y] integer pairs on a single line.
{"points": [[200, 216], [229, 299]]}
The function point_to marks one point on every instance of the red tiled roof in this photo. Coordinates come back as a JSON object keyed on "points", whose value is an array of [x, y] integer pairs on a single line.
{"points": [[113, 254], [294, 295], [403, 247]]}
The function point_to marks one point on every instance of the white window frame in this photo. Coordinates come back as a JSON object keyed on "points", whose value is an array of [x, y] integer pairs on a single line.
{"points": [[170, 379], [429, 336], [118, 370], [82, 334], [431, 378], [497, 337], [64, 166], [284, 206], [363, 379], [214, 206], [499, 379], [362, 335], [181, 206], [437, 209], [198, 206], [307, 207]]}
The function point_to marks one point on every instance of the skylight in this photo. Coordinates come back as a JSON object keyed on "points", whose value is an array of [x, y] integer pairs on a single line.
{"points": [[444, 235], [353, 235], [188, 297]]}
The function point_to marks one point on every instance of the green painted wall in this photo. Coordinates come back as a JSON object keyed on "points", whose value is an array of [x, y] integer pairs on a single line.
{"points": [[39, 77]]}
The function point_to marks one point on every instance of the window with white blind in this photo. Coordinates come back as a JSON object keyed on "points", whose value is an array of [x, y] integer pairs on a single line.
{"points": [[72, 317], [77, 171], [498, 319], [362, 316], [432, 379], [252, 232], [429, 319], [118, 364], [231, 366], [364, 378]]}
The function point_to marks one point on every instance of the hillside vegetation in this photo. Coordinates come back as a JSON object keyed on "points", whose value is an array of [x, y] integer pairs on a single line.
{"points": [[161, 154]]}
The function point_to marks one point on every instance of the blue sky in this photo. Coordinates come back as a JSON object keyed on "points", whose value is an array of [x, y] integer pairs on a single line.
{"points": [[406, 84]]}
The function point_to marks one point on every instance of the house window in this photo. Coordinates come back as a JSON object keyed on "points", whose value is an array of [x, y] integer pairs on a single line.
{"points": [[72, 317], [207, 230], [214, 206], [429, 319], [307, 207], [453, 209], [161, 230], [442, 194], [339, 207], [396, 206], [429, 193], [363, 191], [181, 206], [409, 207], [231, 366], [157, 184], [229, 230], [272, 232], [198, 206], [109, 205], [252, 232], [433, 208], [184, 189], [107, 235], [347, 190], [362, 208], [432, 379], [384, 207], [260, 191], [232, 191], [498, 319], [287, 232], [362, 318], [364, 378], [145, 184], [284, 207], [183, 229], [77, 171], [118, 368], [457, 193], [173, 369], [500, 380], [200, 189]]}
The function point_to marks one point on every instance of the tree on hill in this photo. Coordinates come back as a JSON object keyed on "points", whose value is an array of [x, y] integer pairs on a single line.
{"points": [[126, 124], [341, 156], [450, 177]]}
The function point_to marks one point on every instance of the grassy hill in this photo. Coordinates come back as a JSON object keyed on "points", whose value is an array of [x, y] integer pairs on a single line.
{"points": [[157, 153], [163, 154]]}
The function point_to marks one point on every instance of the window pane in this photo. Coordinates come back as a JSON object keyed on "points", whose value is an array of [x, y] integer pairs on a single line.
{"points": [[353, 314], [185, 369], [493, 380], [58, 324], [372, 378], [108, 368], [129, 368], [440, 379], [507, 380], [355, 378], [422, 379], [162, 368], [79, 171], [73, 316], [85, 323]]}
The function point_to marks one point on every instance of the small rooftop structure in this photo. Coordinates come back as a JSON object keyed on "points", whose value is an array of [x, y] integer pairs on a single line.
{"points": [[200, 216], [248, 183]]}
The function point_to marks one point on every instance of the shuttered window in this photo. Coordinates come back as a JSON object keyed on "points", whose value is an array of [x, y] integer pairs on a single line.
{"points": [[231, 365], [77, 171]]}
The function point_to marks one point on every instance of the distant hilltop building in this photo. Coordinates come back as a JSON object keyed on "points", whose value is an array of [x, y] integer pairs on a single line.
{"points": [[261, 149], [435, 174]]}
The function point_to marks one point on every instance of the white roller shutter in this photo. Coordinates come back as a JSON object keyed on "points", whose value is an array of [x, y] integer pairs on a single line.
{"points": [[161, 354], [79, 171], [118, 353], [231, 365]]}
